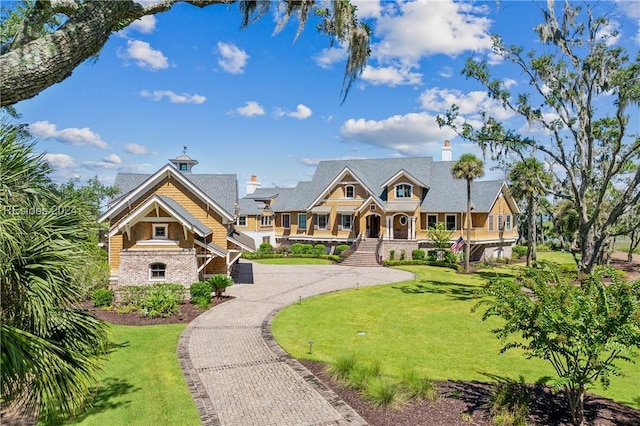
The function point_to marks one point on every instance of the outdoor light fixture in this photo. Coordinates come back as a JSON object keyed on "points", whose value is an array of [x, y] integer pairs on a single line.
{"points": [[310, 346], [299, 300]]}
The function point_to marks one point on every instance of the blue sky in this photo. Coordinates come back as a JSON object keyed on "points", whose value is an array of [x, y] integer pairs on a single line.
{"points": [[253, 103]]}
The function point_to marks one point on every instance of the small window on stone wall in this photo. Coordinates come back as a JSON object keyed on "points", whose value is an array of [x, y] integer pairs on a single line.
{"points": [[157, 271]]}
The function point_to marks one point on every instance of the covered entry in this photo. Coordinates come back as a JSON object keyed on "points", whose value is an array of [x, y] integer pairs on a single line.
{"points": [[373, 226]]}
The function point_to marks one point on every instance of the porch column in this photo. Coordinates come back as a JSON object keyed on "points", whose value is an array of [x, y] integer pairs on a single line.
{"points": [[389, 227], [412, 229]]}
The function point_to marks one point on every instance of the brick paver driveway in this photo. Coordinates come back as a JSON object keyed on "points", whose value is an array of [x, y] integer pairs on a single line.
{"points": [[238, 376]]}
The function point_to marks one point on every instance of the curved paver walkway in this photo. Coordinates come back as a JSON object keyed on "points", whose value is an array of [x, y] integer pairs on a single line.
{"points": [[238, 376]]}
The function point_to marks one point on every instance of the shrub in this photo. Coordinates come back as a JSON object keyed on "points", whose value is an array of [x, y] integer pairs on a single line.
{"points": [[418, 387], [392, 254], [219, 283], [417, 254], [509, 403], [160, 302], [340, 249], [360, 375], [518, 251], [403, 254], [319, 249], [265, 248], [299, 248], [281, 250], [201, 293], [102, 297], [176, 290]]}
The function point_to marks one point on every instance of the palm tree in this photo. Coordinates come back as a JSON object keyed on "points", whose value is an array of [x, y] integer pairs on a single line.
{"points": [[529, 181], [51, 351], [468, 167]]}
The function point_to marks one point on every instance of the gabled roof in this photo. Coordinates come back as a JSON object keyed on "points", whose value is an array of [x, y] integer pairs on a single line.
{"points": [[335, 181], [243, 240], [408, 176], [170, 206], [218, 191]]}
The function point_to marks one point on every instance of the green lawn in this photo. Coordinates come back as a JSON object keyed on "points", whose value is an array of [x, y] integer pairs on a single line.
{"points": [[425, 325], [142, 383], [294, 261]]}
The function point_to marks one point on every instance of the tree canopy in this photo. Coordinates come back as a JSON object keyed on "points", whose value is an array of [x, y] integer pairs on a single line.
{"points": [[582, 89], [44, 41]]}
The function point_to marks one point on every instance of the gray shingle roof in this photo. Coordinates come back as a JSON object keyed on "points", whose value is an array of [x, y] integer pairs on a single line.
{"points": [[445, 194], [221, 188], [181, 211]]}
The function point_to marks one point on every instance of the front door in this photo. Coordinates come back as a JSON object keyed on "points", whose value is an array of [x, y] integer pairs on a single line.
{"points": [[373, 226]]}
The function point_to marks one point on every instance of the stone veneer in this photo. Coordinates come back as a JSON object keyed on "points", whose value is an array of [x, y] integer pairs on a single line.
{"points": [[182, 267]]}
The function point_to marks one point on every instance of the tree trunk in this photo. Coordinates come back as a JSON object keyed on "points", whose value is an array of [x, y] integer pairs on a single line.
{"points": [[467, 244], [634, 240], [30, 69], [531, 230]]}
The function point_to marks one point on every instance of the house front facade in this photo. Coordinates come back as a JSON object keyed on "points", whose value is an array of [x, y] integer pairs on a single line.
{"points": [[394, 201], [173, 226]]}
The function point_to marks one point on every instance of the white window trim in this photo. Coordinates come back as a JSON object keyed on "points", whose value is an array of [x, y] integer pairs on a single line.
{"points": [[507, 223], [164, 278], [264, 219], [160, 225], [372, 207], [238, 221], [490, 223], [395, 189], [404, 219], [289, 221], [353, 189], [435, 223], [305, 220], [455, 222]]}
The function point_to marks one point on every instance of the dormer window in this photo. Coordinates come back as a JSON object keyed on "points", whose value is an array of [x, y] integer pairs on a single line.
{"points": [[349, 191], [403, 190]]}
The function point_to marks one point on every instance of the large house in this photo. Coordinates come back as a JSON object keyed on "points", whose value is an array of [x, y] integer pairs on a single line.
{"points": [[394, 201], [173, 226], [177, 226]]}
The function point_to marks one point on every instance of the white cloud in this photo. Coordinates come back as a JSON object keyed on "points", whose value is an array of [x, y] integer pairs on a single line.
{"points": [[302, 112], [250, 109], [446, 72], [609, 33], [144, 25], [410, 134], [59, 161], [471, 103], [509, 82], [232, 59], [144, 55], [329, 56], [112, 158], [629, 8], [121, 167], [421, 28], [391, 75], [70, 135], [367, 8], [174, 98], [136, 149]]}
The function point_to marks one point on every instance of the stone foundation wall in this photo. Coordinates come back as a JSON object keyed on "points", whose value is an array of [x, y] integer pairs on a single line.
{"points": [[397, 246], [181, 268]]}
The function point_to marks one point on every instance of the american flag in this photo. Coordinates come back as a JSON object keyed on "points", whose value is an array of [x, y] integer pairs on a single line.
{"points": [[455, 247]]}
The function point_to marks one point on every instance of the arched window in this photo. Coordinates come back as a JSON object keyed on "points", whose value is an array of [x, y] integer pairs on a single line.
{"points": [[157, 271], [403, 190]]}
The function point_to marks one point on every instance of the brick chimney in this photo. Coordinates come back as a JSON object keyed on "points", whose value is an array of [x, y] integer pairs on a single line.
{"points": [[447, 155], [252, 184]]}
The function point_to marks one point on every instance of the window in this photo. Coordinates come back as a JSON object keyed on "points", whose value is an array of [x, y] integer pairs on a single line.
{"points": [[507, 225], [432, 220], [346, 221], [372, 207], [490, 223], [322, 221], [160, 232], [349, 191], [242, 221], [265, 220], [183, 167], [302, 221], [403, 220], [286, 220], [450, 221], [157, 271], [403, 190]]}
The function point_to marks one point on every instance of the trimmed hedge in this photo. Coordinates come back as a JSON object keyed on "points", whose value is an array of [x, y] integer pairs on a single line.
{"points": [[340, 249], [453, 266]]}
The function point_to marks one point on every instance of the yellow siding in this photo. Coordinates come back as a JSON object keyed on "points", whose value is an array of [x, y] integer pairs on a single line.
{"points": [[115, 245]]}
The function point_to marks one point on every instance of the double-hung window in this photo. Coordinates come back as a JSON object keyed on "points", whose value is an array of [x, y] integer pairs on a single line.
{"points": [[242, 221], [349, 191], [286, 220], [450, 222], [265, 220], [345, 221], [432, 220], [490, 223], [322, 221], [507, 224]]}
